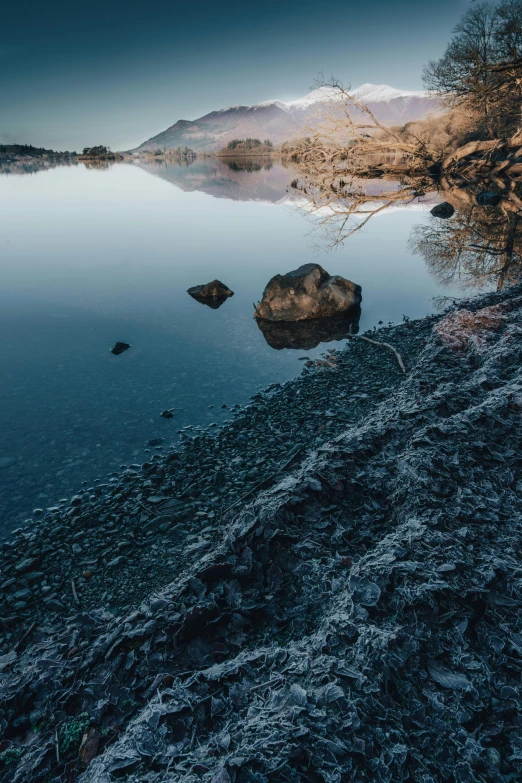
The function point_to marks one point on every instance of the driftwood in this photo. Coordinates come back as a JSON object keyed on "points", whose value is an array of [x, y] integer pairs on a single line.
{"points": [[75, 594], [381, 345]]}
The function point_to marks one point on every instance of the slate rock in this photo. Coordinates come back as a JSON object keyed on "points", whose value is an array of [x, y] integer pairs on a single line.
{"points": [[119, 347]]}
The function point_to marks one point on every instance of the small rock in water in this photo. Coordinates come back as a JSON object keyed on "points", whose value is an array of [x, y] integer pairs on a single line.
{"points": [[212, 294], [118, 348], [167, 414], [444, 210], [214, 290]]}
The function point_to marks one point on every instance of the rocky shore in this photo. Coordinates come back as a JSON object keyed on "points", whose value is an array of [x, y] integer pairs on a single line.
{"points": [[327, 588], [119, 540]]}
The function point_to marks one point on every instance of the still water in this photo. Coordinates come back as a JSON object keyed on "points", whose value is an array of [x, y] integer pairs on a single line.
{"points": [[89, 257]]}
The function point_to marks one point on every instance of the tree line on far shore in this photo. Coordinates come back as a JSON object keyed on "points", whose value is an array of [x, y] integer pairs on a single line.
{"points": [[249, 146]]}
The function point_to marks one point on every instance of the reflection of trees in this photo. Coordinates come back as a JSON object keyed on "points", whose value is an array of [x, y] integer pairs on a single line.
{"points": [[475, 247], [339, 207], [248, 165]]}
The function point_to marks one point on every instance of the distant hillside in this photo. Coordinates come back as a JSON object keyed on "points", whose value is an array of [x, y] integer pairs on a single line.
{"points": [[281, 122]]}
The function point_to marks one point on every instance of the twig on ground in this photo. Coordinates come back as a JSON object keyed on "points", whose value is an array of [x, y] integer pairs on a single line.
{"points": [[266, 684], [75, 594], [24, 637], [382, 345]]}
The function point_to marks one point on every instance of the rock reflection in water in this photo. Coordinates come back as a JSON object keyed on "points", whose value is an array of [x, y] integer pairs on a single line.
{"points": [[214, 302], [307, 334]]}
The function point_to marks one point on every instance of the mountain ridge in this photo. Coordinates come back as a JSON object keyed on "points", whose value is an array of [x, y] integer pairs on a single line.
{"points": [[281, 121]]}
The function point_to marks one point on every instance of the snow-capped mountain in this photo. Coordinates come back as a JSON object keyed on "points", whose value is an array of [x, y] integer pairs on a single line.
{"points": [[281, 121]]}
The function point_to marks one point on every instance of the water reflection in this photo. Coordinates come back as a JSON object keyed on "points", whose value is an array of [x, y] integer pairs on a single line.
{"points": [[249, 165], [477, 246], [240, 179], [305, 335], [477, 242], [34, 165], [214, 302]]}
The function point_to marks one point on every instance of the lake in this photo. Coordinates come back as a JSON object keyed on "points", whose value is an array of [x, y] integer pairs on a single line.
{"points": [[91, 256]]}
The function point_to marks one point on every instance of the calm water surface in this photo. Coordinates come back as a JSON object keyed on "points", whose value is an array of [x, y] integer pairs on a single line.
{"points": [[89, 257]]}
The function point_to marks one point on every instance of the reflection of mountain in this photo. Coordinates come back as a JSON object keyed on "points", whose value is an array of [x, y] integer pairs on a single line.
{"points": [[304, 335], [237, 180], [280, 121]]}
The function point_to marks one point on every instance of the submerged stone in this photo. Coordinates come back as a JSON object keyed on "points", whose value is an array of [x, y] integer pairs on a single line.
{"points": [[306, 293], [119, 347]]}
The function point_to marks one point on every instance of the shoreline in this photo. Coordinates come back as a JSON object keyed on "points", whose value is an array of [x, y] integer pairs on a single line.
{"points": [[73, 537], [375, 574]]}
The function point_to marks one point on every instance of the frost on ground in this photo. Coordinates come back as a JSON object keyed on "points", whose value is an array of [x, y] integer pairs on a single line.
{"points": [[464, 329], [360, 621]]}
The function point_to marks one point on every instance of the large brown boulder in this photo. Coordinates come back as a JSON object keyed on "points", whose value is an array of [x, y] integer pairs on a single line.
{"points": [[307, 292]]}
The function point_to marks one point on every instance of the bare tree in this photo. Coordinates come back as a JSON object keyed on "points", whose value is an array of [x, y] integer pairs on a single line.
{"points": [[481, 69]]}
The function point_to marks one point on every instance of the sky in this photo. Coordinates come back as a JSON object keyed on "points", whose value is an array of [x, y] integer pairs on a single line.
{"points": [[117, 73]]}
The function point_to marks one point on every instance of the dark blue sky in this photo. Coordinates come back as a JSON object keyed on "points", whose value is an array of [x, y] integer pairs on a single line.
{"points": [[117, 73]]}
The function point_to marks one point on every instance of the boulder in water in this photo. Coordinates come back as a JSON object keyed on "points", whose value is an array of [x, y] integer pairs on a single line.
{"points": [[307, 293]]}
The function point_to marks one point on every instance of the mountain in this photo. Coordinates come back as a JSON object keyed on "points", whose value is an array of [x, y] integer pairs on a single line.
{"points": [[280, 121]]}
